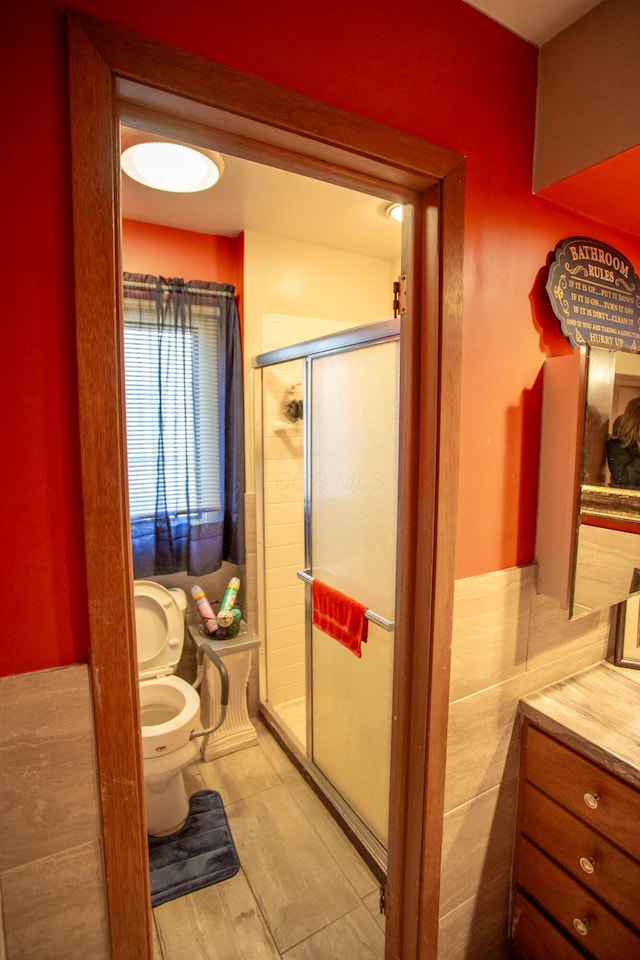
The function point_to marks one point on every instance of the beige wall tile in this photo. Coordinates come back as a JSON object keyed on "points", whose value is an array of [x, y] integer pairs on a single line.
{"points": [[482, 748], [48, 784], [483, 739], [56, 907], [490, 631], [477, 929], [553, 636], [477, 844]]}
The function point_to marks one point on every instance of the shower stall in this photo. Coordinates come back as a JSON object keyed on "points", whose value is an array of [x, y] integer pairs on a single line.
{"points": [[327, 504]]}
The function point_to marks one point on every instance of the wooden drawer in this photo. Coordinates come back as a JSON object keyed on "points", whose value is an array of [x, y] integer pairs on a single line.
{"points": [[565, 901], [569, 778], [615, 877], [535, 937]]}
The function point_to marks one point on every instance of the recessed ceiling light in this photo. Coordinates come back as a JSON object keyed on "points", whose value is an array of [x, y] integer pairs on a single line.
{"points": [[394, 210], [171, 166]]}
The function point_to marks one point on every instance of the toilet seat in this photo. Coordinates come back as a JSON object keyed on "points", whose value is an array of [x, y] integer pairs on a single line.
{"points": [[171, 708], [159, 629]]}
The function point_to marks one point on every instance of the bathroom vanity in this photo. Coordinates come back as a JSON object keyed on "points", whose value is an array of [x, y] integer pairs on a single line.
{"points": [[576, 875]]}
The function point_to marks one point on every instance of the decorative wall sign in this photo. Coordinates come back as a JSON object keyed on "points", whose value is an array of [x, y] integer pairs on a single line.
{"points": [[595, 294]]}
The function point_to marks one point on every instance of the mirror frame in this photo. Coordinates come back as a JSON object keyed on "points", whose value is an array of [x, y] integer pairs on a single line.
{"points": [[614, 504], [627, 629]]}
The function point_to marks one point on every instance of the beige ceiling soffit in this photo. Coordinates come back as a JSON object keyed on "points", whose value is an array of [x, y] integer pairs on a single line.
{"points": [[588, 86]]}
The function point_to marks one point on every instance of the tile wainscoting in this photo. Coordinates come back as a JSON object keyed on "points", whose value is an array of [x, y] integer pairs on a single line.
{"points": [[51, 869], [507, 642]]}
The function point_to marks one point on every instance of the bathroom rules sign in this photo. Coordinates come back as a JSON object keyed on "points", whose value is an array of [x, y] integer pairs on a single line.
{"points": [[595, 294]]}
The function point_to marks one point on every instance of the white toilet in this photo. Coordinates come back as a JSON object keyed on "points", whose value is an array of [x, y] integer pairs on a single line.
{"points": [[169, 706]]}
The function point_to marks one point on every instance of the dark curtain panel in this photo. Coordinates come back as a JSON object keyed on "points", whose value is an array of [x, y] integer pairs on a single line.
{"points": [[190, 529]]}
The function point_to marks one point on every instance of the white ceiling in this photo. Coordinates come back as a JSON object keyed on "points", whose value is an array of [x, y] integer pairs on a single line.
{"points": [[535, 20], [250, 196]]}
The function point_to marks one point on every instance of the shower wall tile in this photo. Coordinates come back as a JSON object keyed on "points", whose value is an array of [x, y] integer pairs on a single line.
{"points": [[69, 918], [279, 660], [282, 598], [278, 448], [286, 576], [285, 534], [289, 492], [283, 557], [287, 636]]}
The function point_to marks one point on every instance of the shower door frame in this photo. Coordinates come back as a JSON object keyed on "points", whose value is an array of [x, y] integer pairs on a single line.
{"points": [[353, 338], [116, 76]]}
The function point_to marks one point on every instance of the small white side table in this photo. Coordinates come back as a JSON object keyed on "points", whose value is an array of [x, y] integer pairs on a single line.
{"points": [[237, 731]]}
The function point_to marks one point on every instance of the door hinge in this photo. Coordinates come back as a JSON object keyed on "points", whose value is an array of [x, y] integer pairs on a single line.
{"points": [[400, 295], [383, 900]]}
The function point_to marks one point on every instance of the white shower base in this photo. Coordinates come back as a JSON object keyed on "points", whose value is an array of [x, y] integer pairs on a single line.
{"points": [[293, 713]]}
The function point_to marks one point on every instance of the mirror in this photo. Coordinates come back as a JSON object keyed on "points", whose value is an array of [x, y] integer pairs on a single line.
{"points": [[627, 648], [608, 529]]}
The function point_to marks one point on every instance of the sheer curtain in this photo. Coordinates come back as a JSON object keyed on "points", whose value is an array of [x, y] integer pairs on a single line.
{"points": [[185, 425]]}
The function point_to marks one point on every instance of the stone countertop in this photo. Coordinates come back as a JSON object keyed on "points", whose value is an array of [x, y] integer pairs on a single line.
{"points": [[597, 711]]}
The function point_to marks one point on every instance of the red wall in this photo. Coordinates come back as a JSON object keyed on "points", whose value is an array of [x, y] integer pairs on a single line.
{"points": [[166, 252], [441, 71]]}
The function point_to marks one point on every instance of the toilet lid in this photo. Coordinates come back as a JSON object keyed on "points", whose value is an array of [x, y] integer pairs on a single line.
{"points": [[159, 628]]}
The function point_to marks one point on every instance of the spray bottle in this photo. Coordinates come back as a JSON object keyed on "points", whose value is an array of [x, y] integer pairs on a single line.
{"points": [[205, 609], [230, 594]]}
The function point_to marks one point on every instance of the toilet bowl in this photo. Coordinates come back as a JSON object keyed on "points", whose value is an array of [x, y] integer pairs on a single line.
{"points": [[169, 706]]}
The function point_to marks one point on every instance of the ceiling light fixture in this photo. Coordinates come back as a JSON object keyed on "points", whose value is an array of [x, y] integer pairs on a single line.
{"points": [[394, 211], [173, 167]]}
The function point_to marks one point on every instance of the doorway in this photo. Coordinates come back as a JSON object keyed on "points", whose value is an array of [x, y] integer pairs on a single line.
{"points": [[155, 85]]}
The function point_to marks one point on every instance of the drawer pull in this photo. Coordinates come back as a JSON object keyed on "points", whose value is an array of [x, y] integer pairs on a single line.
{"points": [[588, 864], [592, 800], [581, 926]]}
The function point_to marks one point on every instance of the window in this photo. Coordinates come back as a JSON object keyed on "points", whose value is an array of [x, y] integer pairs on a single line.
{"points": [[185, 440], [172, 380]]}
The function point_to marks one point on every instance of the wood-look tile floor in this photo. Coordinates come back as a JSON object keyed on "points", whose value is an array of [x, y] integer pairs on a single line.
{"points": [[302, 891]]}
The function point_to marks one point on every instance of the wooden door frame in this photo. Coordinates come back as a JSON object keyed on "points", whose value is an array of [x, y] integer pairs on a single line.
{"points": [[115, 74]]}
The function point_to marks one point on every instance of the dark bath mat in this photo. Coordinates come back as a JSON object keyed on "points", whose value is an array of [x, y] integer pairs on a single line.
{"points": [[200, 854]]}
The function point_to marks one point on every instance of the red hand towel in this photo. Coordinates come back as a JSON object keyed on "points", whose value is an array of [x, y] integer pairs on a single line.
{"points": [[339, 616]]}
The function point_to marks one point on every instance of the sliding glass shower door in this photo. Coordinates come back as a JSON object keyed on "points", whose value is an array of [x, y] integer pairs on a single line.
{"points": [[353, 458], [329, 506]]}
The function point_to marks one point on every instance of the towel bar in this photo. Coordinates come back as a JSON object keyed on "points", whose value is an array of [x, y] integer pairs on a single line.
{"points": [[369, 614]]}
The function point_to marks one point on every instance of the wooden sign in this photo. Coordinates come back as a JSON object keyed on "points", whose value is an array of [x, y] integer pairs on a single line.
{"points": [[595, 294]]}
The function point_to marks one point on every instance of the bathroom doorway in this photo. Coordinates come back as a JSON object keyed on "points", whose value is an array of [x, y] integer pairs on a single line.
{"points": [[350, 378], [279, 126]]}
